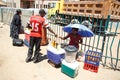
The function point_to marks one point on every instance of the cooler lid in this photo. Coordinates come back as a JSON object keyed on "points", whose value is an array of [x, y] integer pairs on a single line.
{"points": [[70, 49]]}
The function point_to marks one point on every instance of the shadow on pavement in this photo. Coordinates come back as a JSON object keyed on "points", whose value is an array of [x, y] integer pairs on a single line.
{"points": [[41, 58]]}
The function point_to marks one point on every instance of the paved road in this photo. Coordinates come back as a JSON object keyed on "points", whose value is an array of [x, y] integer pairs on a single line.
{"points": [[14, 67]]}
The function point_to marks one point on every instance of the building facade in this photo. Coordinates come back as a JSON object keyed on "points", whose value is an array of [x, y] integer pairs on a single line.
{"points": [[2, 3], [45, 4], [29, 3], [20, 3]]}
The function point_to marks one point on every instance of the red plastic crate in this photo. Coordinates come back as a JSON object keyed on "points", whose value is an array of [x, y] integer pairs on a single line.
{"points": [[91, 67]]}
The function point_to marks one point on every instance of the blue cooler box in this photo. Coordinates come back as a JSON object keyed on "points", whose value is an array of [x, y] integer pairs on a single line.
{"points": [[55, 55], [70, 69]]}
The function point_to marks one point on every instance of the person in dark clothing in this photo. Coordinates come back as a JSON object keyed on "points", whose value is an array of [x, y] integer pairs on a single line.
{"points": [[16, 25]]}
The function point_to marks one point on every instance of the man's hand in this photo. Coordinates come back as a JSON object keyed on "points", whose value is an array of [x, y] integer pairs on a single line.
{"points": [[52, 31], [28, 26], [56, 35]]}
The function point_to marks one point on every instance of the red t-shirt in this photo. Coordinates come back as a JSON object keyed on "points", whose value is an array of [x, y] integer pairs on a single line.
{"points": [[37, 23], [74, 40]]}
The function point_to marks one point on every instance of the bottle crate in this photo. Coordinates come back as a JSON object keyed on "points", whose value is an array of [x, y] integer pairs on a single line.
{"points": [[91, 67], [93, 57]]}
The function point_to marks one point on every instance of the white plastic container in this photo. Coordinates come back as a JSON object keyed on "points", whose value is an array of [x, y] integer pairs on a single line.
{"points": [[70, 53]]}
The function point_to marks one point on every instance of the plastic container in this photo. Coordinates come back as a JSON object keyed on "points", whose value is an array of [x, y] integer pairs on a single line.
{"points": [[70, 69], [93, 57], [55, 55], [70, 53], [91, 67]]}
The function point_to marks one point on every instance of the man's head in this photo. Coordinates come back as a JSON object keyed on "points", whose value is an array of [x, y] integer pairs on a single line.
{"points": [[42, 12], [18, 11], [74, 30]]}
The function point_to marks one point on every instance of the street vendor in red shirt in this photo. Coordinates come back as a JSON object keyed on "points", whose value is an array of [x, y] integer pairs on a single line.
{"points": [[75, 38]]}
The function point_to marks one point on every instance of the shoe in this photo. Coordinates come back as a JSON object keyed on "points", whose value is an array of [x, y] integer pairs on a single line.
{"points": [[28, 59], [35, 60]]}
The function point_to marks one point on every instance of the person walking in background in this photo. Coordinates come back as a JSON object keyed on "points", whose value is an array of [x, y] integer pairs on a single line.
{"points": [[16, 25], [37, 22]]}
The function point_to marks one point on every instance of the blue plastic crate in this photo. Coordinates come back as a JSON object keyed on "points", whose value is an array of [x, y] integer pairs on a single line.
{"points": [[93, 57], [26, 42]]}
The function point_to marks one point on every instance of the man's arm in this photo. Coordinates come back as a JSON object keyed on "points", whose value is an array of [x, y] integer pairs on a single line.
{"points": [[81, 40], [46, 24], [52, 31], [28, 24], [63, 38]]}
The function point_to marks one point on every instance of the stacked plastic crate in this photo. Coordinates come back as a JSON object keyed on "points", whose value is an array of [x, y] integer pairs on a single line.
{"points": [[92, 59], [27, 37]]}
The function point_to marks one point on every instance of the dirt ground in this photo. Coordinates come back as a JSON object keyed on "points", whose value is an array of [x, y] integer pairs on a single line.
{"points": [[14, 67]]}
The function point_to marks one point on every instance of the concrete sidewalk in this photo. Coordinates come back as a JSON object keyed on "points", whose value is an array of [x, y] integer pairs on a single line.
{"points": [[14, 67]]}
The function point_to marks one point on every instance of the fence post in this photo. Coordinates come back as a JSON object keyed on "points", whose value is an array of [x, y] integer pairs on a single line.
{"points": [[103, 43], [1, 14], [104, 34], [107, 22]]}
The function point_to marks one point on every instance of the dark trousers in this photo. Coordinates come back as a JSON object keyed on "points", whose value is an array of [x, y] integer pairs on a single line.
{"points": [[34, 41]]}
